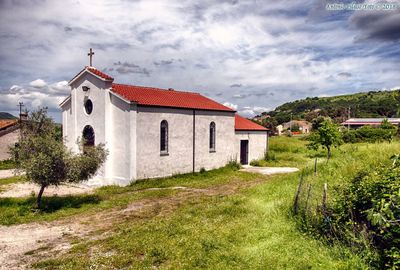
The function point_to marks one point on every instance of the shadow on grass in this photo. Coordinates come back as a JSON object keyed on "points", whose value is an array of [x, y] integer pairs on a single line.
{"points": [[49, 204]]}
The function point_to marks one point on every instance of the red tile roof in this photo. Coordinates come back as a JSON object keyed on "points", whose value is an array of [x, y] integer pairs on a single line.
{"points": [[5, 123], [95, 72], [150, 96], [242, 123], [99, 73]]}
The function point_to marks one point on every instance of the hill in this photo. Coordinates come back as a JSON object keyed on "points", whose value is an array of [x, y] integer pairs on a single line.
{"points": [[368, 104], [6, 115]]}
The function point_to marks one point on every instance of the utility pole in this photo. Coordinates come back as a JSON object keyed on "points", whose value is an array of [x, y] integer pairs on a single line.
{"points": [[348, 123], [20, 105]]}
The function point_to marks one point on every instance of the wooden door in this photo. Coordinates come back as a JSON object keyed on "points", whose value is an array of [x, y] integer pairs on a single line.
{"points": [[244, 152]]}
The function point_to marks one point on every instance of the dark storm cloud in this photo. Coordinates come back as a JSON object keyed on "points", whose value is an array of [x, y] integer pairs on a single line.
{"points": [[344, 75], [105, 46], [235, 85], [163, 62], [377, 25], [126, 68]]}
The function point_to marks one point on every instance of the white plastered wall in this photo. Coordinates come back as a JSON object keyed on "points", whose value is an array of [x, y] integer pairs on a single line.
{"points": [[224, 141], [258, 141], [150, 163], [113, 121]]}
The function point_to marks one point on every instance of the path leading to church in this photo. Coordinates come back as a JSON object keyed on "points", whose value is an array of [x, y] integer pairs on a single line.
{"points": [[21, 245]]}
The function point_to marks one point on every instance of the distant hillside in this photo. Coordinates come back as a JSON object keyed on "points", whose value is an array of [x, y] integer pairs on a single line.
{"points": [[369, 104], [6, 115]]}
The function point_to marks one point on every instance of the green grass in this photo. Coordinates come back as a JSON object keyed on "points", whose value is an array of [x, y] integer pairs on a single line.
{"points": [[22, 210], [252, 229], [244, 231], [11, 180], [287, 151], [7, 164]]}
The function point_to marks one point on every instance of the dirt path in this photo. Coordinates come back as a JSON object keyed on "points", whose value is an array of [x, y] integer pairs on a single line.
{"points": [[21, 245], [26, 189], [7, 173]]}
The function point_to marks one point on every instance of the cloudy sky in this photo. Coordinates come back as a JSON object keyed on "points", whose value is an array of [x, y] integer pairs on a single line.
{"points": [[251, 55]]}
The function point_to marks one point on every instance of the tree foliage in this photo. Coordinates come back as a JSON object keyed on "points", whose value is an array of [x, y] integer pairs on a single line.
{"points": [[46, 161], [369, 134], [362, 105], [327, 135]]}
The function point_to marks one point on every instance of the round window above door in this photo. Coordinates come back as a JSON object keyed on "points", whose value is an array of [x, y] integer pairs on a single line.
{"points": [[88, 106]]}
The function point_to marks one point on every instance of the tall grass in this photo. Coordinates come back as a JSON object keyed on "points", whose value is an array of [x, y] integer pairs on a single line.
{"points": [[351, 159]]}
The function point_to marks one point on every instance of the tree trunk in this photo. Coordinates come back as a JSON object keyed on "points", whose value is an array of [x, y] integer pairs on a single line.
{"points": [[329, 152], [39, 198]]}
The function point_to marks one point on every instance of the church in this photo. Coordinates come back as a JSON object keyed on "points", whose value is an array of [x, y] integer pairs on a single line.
{"points": [[151, 132]]}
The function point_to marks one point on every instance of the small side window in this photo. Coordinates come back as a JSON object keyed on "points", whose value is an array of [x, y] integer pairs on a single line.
{"points": [[88, 106], [164, 137], [212, 137]]}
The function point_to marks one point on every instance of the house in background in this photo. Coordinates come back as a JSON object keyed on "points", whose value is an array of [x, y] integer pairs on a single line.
{"points": [[304, 127], [9, 132], [153, 132], [355, 123]]}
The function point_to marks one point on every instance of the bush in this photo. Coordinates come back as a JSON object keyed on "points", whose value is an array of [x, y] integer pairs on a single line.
{"points": [[233, 164], [270, 156], [368, 134], [368, 209], [256, 163]]}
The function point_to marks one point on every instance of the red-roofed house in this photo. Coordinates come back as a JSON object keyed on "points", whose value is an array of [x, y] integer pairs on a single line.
{"points": [[151, 132]]}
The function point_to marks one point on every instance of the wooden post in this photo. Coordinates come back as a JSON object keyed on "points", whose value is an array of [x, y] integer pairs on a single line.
{"points": [[324, 198], [315, 166], [308, 197], [296, 198]]}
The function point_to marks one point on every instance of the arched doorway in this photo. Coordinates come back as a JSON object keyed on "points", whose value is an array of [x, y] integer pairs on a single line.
{"points": [[88, 137]]}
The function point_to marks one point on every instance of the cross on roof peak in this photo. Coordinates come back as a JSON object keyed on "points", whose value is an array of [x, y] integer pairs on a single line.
{"points": [[90, 54]]}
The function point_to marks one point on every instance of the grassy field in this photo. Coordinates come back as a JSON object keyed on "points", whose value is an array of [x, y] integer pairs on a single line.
{"points": [[7, 164], [248, 228]]}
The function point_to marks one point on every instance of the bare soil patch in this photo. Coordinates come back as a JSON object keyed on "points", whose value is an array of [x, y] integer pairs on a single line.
{"points": [[26, 189]]}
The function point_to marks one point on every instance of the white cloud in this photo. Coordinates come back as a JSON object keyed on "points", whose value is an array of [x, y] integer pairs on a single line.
{"points": [[39, 83], [231, 105]]}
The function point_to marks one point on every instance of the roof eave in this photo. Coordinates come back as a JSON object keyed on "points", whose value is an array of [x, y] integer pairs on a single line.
{"points": [[88, 71], [186, 108], [245, 129], [65, 101], [121, 97]]}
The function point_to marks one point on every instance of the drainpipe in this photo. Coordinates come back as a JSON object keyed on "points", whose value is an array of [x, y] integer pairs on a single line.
{"points": [[194, 140]]}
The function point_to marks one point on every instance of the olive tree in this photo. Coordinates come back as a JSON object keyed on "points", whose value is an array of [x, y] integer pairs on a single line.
{"points": [[44, 158], [326, 135]]}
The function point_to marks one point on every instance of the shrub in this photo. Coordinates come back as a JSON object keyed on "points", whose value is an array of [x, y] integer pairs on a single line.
{"points": [[270, 156], [233, 164], [369, 134], [256, 163], [368, 208]]}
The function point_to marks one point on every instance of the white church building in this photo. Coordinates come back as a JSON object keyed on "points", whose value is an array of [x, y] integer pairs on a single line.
{"points": [[151, 132]]}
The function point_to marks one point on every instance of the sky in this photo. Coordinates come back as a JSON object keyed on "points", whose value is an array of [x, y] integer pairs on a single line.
{"points": [[250, 55]]}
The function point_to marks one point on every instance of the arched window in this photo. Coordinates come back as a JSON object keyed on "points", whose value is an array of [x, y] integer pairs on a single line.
{"points": [[88, 137], [88, 106], [164, 137], [212, 137]]}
